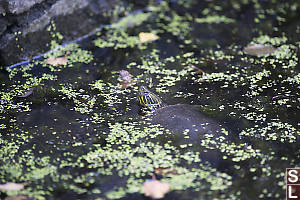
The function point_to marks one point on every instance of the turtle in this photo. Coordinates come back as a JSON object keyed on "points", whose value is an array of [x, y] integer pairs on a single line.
{"points": [[186, 124], [178, 117]]}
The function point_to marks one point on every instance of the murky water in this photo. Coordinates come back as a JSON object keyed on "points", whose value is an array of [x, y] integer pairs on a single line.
{"points": [[79, 135]]}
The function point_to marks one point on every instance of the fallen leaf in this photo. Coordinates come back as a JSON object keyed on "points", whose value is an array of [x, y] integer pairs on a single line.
{"points": [[196, 70], [17, 197], [125, 75], [125, 85], [259, 50], [12, 186], [57, 61], [126, 79], [165, 171], [155, 189], [147, 37]]}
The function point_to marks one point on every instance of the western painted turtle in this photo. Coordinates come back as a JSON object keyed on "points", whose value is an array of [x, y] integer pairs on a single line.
{"points": [[188, 125], [179, 117]]}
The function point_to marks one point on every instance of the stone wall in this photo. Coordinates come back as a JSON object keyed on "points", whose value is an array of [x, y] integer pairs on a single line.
{"points": [[24, 23]]}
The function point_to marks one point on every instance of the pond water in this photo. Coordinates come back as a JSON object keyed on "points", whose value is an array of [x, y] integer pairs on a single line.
{"points": [[70, 131]]}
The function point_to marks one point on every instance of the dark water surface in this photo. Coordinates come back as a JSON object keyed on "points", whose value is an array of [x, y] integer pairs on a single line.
{"points": [[79, 136]]}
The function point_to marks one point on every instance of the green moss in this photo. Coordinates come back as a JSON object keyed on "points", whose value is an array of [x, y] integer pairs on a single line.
{"points": [[131, 21], [118, 39], [176, 25], [74, 54], [282, 132]]}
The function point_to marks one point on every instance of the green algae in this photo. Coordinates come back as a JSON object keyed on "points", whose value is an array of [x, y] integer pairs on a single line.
{"points": [[131, 21], [215, 19], [145, 157], [74, 54], [118, 39], [279, 131], [117, 36], [265, 39], [177, 25], [83, 102]]}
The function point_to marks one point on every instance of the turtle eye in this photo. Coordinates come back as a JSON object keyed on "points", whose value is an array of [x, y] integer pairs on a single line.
{"points": [[144, 90]]}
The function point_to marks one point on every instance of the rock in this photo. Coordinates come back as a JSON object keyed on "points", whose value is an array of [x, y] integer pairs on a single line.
{"points": [[3, 25], [23, 24], [2, 11], [20, 6], [62, 7]]}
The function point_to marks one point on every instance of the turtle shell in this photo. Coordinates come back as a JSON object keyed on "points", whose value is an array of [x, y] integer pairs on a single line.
{"points": [[182, 117]]}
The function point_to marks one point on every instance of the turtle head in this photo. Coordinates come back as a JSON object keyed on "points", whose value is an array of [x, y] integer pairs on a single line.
{"points": [[143, 90], [148, 99]]}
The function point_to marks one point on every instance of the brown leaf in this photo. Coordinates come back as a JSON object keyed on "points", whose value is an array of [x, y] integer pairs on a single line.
{"points": [[57, 61], [155, 189], [12, 186], [259, 50], [165, 171], [125, 75], [126, 79], [196, 70], [147, 37], [125, 85], [17, 197]]}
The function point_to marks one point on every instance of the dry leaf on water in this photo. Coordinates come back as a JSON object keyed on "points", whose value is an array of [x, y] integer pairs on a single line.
{"points": [[125, 75], [125, 85], [57, 61], [259, 50], [147, 37], [196, 70], [155, 189], [12, 186], [165, 171], [17, 197], [126, 79]]}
